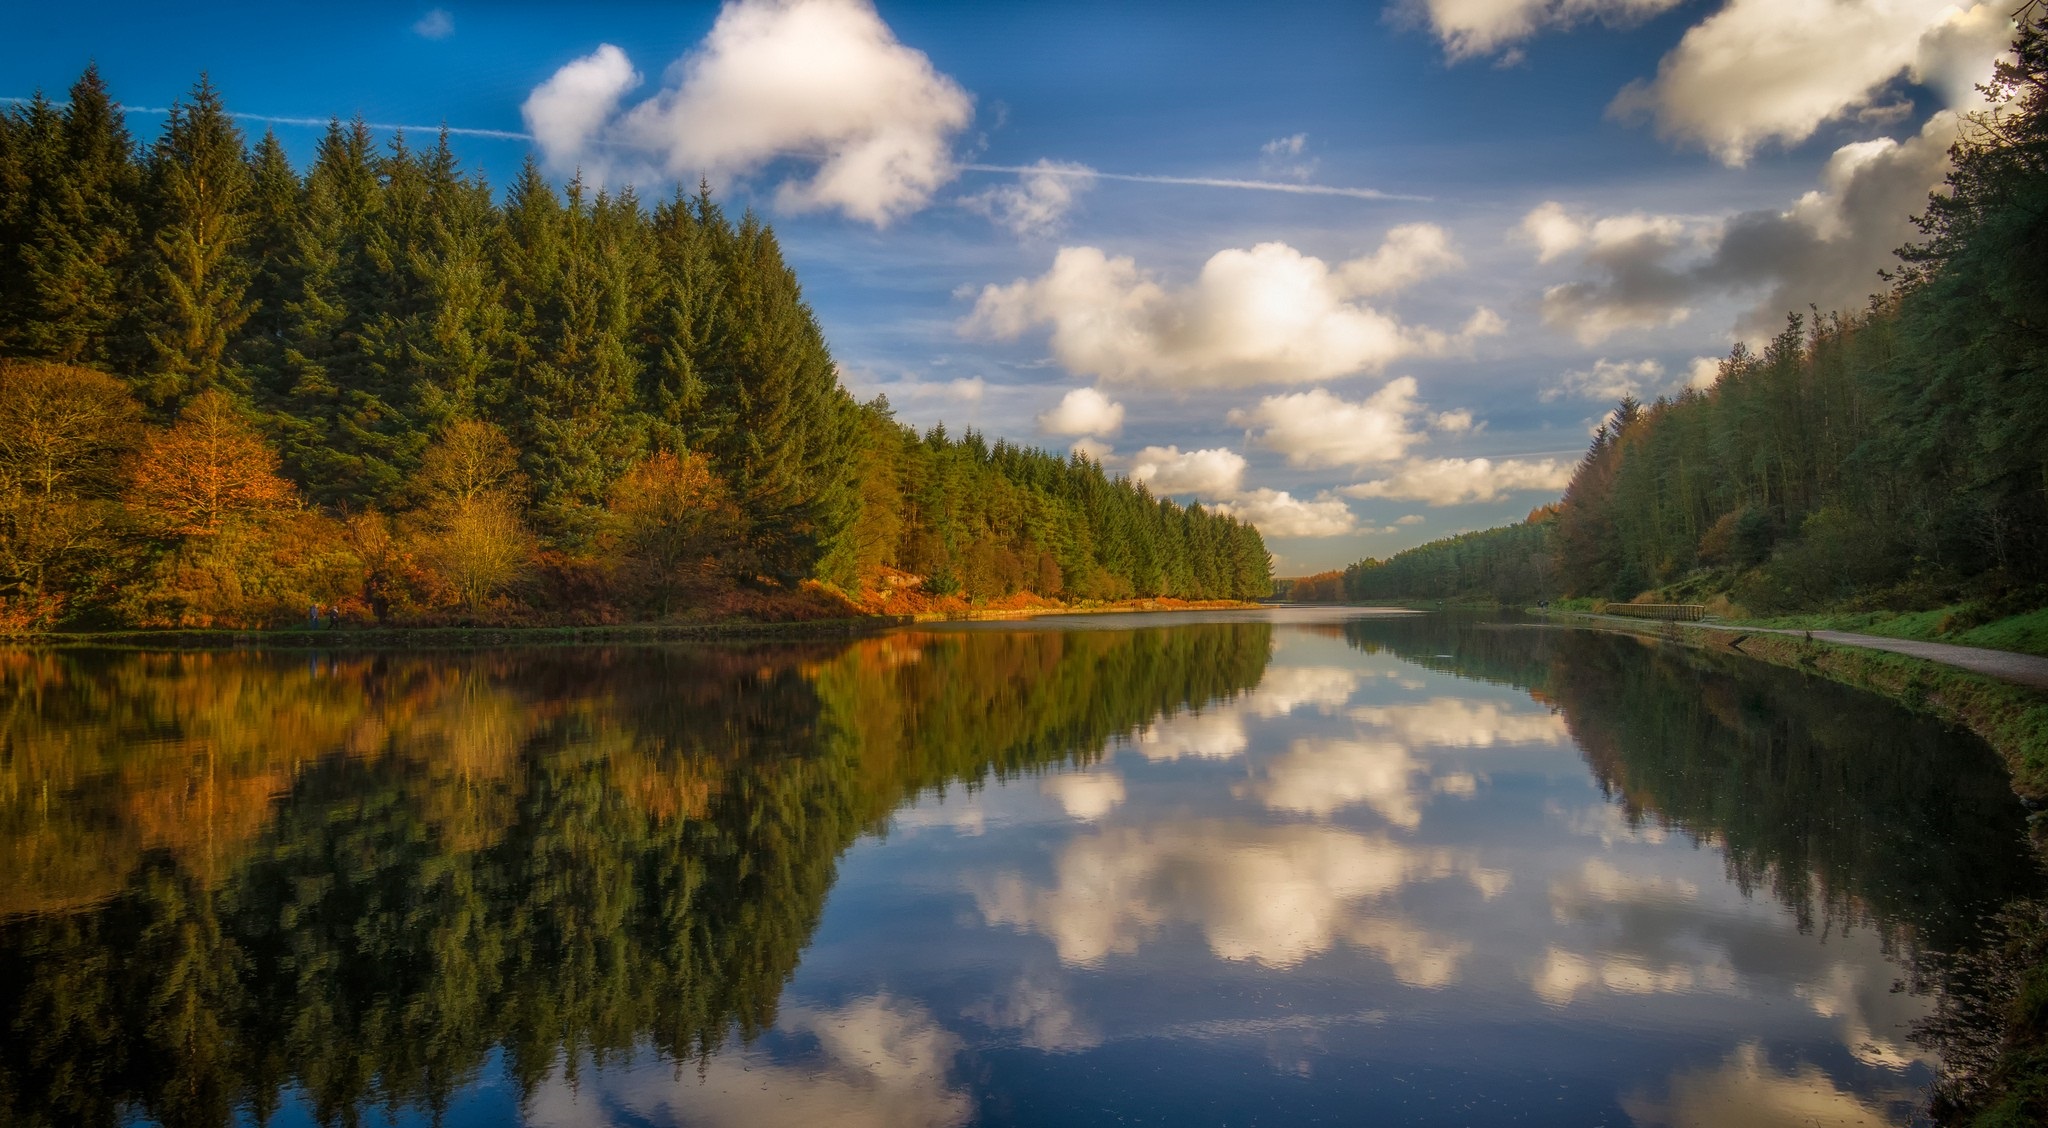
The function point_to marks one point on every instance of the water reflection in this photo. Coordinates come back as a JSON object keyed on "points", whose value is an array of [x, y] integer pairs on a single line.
{"points": [[1243, 870]]}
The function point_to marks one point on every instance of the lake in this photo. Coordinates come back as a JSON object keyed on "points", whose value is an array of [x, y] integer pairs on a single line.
{"points": [[1261, 868]]}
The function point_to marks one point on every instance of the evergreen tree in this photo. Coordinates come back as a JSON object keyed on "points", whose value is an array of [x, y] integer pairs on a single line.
{"points": [[76, 254], [780, 426], [196, 283]]}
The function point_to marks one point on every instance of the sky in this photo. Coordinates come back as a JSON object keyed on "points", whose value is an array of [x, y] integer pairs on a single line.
{"points": [[1365, 275]]}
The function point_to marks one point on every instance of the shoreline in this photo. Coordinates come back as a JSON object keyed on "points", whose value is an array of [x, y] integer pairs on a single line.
{"points": [[2010, 717], [483, 637]]}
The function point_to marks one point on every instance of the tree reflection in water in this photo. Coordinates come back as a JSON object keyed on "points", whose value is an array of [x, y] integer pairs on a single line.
{"points": [[356, 879]]}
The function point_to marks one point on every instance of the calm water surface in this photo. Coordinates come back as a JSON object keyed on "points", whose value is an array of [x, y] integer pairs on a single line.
{"points": [[1279, 868]]}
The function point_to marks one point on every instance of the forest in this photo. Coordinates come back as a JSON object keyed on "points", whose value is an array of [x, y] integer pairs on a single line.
{"points": [[231, 392], [1889, 458]]}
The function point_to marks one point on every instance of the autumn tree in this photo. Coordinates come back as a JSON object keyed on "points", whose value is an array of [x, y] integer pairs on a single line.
{"points": [[675, 518], [210, 468], [473, 535], [62, 431]]}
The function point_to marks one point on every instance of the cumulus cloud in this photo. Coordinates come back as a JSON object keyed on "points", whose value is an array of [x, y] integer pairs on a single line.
{"points": [[822, 81], [1216, 475], [1267, 315], [1038, 202], [1085, 796], [1608, 380], [1825, 249], [1319, 428], [1775, 70], [1456, 481], [1278, 513], [1213, 473], [1454, 722], [1322, 776], [1038, 1008], [436, 24], [1470, 28], [1284, 689], [1751, 1088], [1093, 450], [1083, 411], [1268, 895], [877, 1062], [1410, 253], [1214, 734]]}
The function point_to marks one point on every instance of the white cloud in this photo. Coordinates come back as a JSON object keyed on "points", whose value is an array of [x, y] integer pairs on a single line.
{"points": [[1452, 722], [1469, 28], [1085, 796], [1323, 776], [1038, 202], [1094, 450], [1319, 428], [1278, 513], [1212, 473], [1267, 315], [877, 1062], [1826, 248], [1751, 1088], [1410, 253], [1037, 1007], [1410, 519], [1284, 689], [1269, 895], [572, 106], [1288, 156], [1083, 411], [823, 81], [1213, 734], [436, 24], [1456, 481], [1776, 70], [1609, 380]]}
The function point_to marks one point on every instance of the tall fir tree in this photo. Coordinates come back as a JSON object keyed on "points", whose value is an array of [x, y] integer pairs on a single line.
{"points": [[196, 280], [781, 427], [78, 253]]}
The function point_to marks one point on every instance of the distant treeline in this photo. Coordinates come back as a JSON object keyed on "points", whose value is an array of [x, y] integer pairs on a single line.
{"points": [[1893, 457], [376, 385]]}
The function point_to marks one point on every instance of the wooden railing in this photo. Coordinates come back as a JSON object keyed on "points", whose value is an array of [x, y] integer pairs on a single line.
{"points": [[1677, 612]]}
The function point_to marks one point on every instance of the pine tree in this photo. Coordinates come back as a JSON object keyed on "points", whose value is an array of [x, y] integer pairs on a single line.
{"points": [[197, 279], [76, 257], [784, 423], [275, 199]]}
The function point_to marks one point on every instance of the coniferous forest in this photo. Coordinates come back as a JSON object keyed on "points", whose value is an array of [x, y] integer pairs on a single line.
{"points": [[232, 390], [1893, 457]]}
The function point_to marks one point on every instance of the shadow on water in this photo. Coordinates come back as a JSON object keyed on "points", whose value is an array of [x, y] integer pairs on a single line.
{"points": [[355, 880]]}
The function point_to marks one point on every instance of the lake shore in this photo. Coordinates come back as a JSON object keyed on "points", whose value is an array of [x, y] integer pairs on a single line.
{"points": [[476, 637], [2013, 720]]}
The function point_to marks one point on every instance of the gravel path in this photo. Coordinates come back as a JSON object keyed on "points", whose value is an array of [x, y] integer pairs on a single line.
{"points": [[2020, 669]]}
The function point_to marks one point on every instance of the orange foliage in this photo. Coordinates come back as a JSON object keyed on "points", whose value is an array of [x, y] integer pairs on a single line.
{"points": [[210, 467], [1323, 587]]}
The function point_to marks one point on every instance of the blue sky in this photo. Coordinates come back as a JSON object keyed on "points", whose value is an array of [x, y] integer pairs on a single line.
{"points": [[1414, 252]]}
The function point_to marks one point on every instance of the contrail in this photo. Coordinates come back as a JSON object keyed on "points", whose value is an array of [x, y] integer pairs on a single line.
{"points": [[317, 122], [1076, 172], [1084, 173]]}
